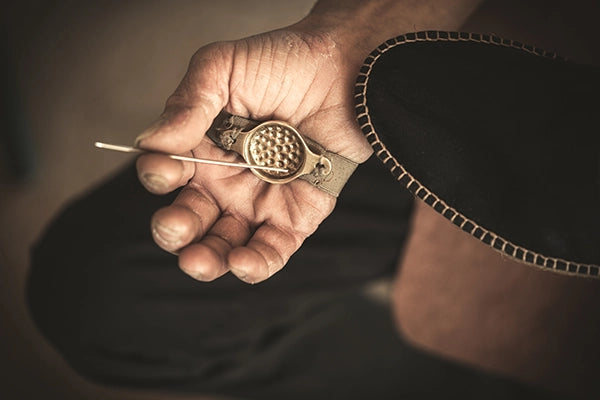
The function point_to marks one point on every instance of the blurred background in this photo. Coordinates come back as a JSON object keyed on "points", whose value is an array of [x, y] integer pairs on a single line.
{"points": [[73, 73]]}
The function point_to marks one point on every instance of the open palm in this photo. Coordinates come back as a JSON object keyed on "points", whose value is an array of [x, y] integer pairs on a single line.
{"points": [[227, 219]]}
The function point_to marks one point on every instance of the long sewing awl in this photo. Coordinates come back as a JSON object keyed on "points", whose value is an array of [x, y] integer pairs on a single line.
{"points": [[130, 149]]}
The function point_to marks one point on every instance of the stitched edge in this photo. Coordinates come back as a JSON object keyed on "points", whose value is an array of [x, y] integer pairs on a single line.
{"points": [[497, 242]]}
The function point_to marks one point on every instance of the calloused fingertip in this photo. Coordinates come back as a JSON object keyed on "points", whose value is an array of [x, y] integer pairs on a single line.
{"points": [[155, 183], [160, 174]]}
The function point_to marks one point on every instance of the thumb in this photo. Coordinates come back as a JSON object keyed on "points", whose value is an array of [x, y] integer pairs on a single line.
{"points": [[190, 110]]}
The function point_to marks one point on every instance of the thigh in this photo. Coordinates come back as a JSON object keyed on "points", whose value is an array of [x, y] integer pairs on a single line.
{"points": [[120, 310]]}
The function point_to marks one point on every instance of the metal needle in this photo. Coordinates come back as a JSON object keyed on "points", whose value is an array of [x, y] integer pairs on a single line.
{"points": [[130, 149]]}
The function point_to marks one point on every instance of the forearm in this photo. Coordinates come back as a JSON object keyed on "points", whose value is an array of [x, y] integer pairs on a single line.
{"points": [[358, 26]]}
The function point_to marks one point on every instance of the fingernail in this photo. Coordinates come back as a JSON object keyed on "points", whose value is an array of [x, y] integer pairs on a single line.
{"points": [[199, 277], [165, 234], [155, 182], [148, 132], [242, 275], [193, 272]]}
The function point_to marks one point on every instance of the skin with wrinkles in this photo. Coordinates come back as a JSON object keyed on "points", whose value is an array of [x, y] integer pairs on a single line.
{"points": [[210, 228], [226, 219]]}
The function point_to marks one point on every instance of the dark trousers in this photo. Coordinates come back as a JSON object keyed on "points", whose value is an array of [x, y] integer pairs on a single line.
{"points": [[120, 311]]}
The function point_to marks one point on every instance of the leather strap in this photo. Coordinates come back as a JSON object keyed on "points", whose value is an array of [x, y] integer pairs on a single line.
{"points": [[332, 181], [331, 176], [226, 128]]}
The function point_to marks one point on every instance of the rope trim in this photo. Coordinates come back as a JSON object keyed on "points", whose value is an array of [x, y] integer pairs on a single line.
{"points": [[497, 242]]}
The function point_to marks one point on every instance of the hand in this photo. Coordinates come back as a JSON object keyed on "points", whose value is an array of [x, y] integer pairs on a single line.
{"points": [[226, 219]]}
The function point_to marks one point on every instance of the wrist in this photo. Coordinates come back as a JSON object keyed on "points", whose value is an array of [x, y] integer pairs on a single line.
{"points": [[356, 27], [344, 29]]}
